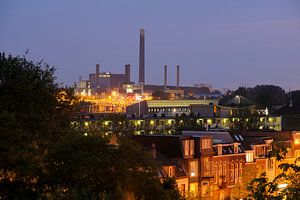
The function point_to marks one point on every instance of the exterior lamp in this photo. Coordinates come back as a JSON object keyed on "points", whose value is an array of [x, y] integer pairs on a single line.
{"points": [[282, 186]]}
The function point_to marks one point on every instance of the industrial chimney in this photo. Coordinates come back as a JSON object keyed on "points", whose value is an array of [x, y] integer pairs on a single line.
{"points": [[127, 73], [177, 82], [142, 58], [97, 75], [165, 76]]}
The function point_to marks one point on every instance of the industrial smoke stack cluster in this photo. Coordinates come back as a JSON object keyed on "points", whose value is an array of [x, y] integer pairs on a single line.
{"points": [[166, 77]]}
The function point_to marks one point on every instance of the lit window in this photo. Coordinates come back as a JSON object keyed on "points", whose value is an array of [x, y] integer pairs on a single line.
{"points": [[170, 172], [220, 173], [206, 143], [270, 164], [207, 166], [236, 172], [241, 168], [249, 157], [186, 146], [224, 173], [191, 147], [232, 172], [193, 168]]}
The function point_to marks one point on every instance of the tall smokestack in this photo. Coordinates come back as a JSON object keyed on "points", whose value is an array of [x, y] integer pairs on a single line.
{"points": [[177, 82], [165, 76], [142, 57], [127, 73], [97, 74]]}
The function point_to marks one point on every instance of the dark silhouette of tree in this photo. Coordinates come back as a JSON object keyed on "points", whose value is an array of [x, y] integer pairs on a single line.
{"points": [[44, 155]]}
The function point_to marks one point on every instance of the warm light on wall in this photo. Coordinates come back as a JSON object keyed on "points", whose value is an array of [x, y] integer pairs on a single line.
{"points": [[193, 174]]}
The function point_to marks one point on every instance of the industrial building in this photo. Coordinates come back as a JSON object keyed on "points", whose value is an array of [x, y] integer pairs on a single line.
{"points": [[108, 80], [168, 107]]}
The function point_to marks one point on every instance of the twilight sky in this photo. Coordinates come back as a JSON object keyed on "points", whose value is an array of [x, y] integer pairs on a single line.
{"points": [[226, 43]]}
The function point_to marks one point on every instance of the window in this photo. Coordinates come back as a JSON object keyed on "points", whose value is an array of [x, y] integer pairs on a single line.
{"points": [[220, 173], [260, 151], [236, 171], [232, 172], [205, 188], [215, 173], [194, 188], [182, 189], [270, 164], [193, 168], [186, 146], [249, 156], [170, 172], [241, 168], [207, 166], [224, 173], [206, 143], [191, 147]]}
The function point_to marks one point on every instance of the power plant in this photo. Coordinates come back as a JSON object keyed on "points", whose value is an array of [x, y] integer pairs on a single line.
{"points": [[105, 82]]}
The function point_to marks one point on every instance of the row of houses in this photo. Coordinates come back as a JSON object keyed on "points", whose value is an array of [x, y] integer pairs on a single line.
{"points": [[217, 165]]}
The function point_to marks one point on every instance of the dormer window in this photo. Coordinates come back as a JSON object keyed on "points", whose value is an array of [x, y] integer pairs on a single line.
{"points": [[188, 147], [206, 143]]}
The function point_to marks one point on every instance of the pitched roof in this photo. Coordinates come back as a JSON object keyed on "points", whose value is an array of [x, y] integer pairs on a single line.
{"points": [[168, 145]]}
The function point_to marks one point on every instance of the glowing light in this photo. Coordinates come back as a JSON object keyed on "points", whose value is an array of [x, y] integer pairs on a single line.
{"points": [[297, 142], [261, 119], [193, 174], [85, 134], [86, 123], [281, 186], [138, 97], [152, 122]]}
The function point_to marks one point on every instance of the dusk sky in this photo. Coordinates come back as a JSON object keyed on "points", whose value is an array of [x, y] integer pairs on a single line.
{"points": [[226, 43]]}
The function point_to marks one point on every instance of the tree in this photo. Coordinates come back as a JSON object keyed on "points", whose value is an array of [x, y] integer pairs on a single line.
{"points": [[89, 168], [44, 155], [34, 114]]}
